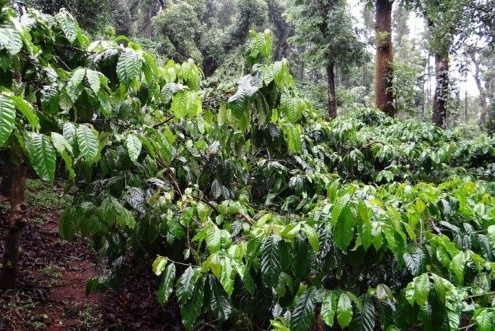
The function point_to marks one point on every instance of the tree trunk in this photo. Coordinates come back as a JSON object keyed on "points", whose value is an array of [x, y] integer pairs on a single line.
{"points": [[441, 91], [483, 93], [384, 57], [332, 100], [16, 177]]}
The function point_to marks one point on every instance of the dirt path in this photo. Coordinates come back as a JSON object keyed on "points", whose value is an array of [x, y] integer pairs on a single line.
{"points": [[51, 287], [50, 294]]}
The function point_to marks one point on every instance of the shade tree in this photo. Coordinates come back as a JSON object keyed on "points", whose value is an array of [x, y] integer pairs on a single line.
{"points": [[323, 30]]}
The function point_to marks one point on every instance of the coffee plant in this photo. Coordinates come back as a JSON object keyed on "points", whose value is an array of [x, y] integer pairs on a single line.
{"points": [[253, 210]]}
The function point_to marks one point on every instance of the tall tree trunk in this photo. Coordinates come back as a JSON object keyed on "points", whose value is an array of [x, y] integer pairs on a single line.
{"points": [[441, 91], [332, 100], [481, 89], [384, 57], [14, 180], [465, 106]]}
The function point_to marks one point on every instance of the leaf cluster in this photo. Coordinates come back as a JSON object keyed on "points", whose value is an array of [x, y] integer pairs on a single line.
{"points": [[255, 210]]}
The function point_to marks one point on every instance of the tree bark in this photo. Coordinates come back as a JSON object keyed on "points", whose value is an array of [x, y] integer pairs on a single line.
{"points": [[332, 99], [441, 91], [16, 177], [483, 93], [384, 57]]}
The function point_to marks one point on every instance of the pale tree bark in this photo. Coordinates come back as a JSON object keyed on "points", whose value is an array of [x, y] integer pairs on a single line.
{"points": [[481, 89]]}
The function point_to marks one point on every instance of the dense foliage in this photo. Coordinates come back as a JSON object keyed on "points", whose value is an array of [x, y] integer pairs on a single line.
{"points": [[253, 210]]}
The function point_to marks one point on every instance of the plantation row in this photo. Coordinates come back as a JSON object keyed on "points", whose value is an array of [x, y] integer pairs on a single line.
{"points": [[250, 207]]}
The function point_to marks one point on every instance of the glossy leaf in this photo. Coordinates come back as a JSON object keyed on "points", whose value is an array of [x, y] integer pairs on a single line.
{"points": [[329, 308], [88, 143], [219, 303], [414, 259], [133, 145], [166, 287], [7, 118], [159, 265], [192, 309], [344, 310], [484, 319], [42, 155], [421, 289], [129, 66], [28, 111], [185, 284], [270, 260], [68, 25], [303, 314]]}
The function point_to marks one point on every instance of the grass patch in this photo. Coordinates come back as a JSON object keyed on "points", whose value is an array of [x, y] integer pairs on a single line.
{"points": [[45, 195]]}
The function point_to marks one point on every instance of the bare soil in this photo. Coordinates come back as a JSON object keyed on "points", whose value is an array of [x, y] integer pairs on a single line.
{"points": [[50, 292]]}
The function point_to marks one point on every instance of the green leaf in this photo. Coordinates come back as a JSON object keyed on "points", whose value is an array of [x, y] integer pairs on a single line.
{"points": [[42, 155], [75, 84], [60, 143], [133, 145], [270, 260], [365, 319], [192, 309], [159, 265], [291, 107], [88, 143], [247, 86], [64, 149], [93, 79], [292, 134], [167, 284], [28, 111], [69, 132], [7, 118], [457, 266], [420, 206], [344, 310], [186, 103], [219, 303], [11, 40], [113, 213], [415, 260], [185, 284], [129, 66], [226, 275], [68, 224], [216, 188], [303, 314], [213, 238], [312, 236], [421, 289], [338, 206], [344, 229], [329, 308], [68, 25], [490, 232], [484, 319]]}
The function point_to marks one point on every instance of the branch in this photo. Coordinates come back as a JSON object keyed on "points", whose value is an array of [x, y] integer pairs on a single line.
{"points": [[156, 125], [207, 202], [246, 217]]}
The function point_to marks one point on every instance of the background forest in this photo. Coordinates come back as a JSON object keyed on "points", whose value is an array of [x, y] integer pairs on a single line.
{"points": [[331, 46], [285, 165]]}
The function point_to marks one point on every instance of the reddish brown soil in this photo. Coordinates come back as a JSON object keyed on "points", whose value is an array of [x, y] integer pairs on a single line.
{"points": [[50, 294]]}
